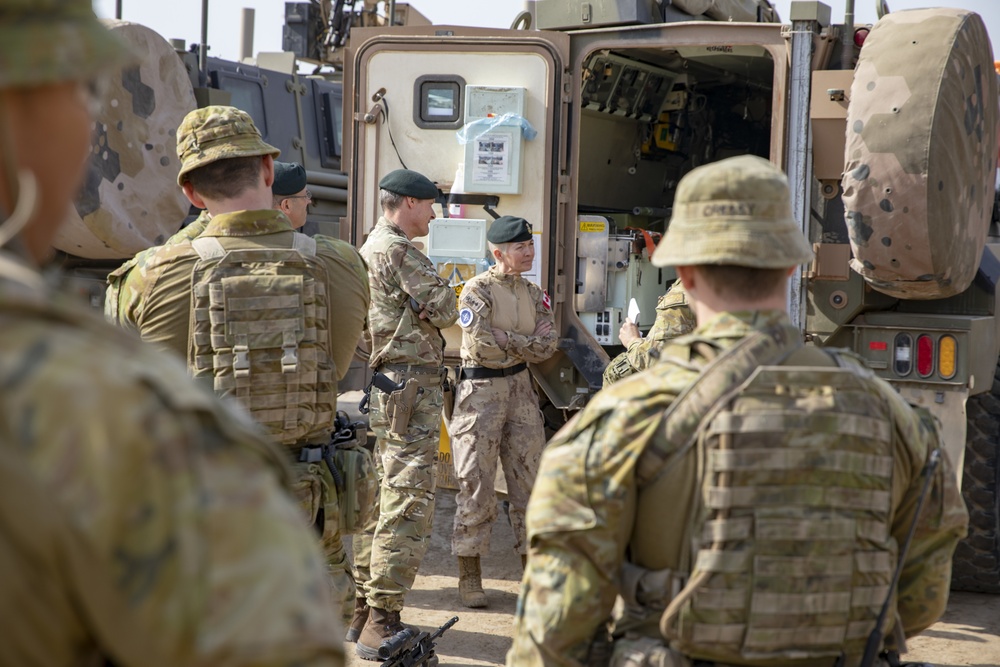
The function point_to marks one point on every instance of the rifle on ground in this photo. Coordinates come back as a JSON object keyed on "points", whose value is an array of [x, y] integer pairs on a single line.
{"points": [[412, 648]]}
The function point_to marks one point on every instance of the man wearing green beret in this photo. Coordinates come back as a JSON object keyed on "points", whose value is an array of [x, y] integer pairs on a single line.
{"points": [[747, 496], [262, 313], [506, 323], [142, 520], [290, 194], [410, 305]]}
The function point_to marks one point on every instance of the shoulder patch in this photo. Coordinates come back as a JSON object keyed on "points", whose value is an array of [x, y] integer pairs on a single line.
{"points": [[672, 299], [472, 301], [465, 317]]}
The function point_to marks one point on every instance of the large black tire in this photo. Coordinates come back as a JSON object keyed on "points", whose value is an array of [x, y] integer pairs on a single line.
{"points": [[977, 559]]}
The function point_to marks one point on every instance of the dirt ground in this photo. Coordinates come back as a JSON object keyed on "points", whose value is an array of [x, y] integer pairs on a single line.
{"points": [[967, 636]]}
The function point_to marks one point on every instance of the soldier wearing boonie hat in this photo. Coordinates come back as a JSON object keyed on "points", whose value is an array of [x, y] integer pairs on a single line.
{"points": [[292, 370], [112, 458], [737, 442], [507, 323], [410, 305], [734, 212]]}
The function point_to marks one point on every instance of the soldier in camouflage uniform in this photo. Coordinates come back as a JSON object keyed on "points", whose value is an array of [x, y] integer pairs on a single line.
{"points": [[159, 300], [673, 318], [290, 194], [411, 303], [143, 522], [775, 499], [506, 324], [289, 185], [115, 301]]}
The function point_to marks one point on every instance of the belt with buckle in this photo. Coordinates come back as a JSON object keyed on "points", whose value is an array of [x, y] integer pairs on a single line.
{"points": [[481, 373]]}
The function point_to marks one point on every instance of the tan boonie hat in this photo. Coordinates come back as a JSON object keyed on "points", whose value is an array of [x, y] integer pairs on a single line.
{"points": [[737, 212], [49, 41], [217, 133]]}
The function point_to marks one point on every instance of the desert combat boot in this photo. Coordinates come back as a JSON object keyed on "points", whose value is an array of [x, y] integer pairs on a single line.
{"points": [[358, 620], [470, 582], [381, 626]]}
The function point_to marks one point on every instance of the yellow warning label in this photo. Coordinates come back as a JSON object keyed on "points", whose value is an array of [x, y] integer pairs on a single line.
{"points": [[456, 273], [592, 226]]}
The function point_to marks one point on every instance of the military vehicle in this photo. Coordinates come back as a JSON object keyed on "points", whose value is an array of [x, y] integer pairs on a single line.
{"points": [[585, 124], [131, 201]]}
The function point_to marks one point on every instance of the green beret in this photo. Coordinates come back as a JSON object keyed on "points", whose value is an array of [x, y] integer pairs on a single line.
{"points": [[509, 229], [409, 183], [289, 179]]}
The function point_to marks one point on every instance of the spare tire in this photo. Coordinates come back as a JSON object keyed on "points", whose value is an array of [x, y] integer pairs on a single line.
{"points": [[921, 153], [130, 200]]}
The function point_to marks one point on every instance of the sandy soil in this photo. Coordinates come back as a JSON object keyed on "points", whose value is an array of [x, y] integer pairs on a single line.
{"points": [[967, 636]]}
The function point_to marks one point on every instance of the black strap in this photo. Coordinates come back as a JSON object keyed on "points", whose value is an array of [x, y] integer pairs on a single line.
{"points": [[488, 202], [480, 373]]}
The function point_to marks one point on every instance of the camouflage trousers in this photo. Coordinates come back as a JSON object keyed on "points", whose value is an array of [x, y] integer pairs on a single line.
{"points": [[388, 553], [317, 495], [494, 419]]}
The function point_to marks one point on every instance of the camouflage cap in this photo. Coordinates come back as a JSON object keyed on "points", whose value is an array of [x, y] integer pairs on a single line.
{"points": [[48, 41], [217, 133], [736, 211]]}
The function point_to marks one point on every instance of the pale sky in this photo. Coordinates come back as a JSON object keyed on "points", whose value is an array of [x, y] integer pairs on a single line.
{"points": [[182, 18]]}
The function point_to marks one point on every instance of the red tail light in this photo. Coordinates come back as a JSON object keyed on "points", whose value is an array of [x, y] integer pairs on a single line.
{"points": [[925, 355], [860, 35]]}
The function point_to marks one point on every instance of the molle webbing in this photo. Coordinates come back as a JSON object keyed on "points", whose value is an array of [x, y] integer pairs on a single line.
{"points": [[792, 547], [259, 329], [686, 413]]}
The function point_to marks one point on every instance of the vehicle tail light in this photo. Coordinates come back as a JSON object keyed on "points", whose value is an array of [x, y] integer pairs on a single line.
{"points": [[947, 355], [860, 35], [902, 354], [925, 355]]}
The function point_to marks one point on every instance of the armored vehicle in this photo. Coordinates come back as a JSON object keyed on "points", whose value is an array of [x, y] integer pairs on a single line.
{"points": [[585, 125], [130, 200]]}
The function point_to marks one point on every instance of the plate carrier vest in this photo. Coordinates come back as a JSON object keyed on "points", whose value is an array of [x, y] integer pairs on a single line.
{"points": [[790, 535], [259, 330]]}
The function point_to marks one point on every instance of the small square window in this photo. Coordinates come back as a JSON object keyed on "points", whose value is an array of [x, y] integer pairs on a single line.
{"points": [[441, 102], [438, 102]]}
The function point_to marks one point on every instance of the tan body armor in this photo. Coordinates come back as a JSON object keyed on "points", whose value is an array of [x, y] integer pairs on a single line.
{"points": [[790, 552], [259, 330]]}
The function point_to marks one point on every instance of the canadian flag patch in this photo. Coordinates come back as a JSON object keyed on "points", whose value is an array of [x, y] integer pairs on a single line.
{"points": [[546, 301]]}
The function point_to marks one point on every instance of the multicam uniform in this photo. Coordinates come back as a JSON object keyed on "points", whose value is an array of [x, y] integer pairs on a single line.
{"points": [[593, 535], [673, 318], [496, 409], [403, 346], [147, 522], [158, 302], [113, 302]]}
